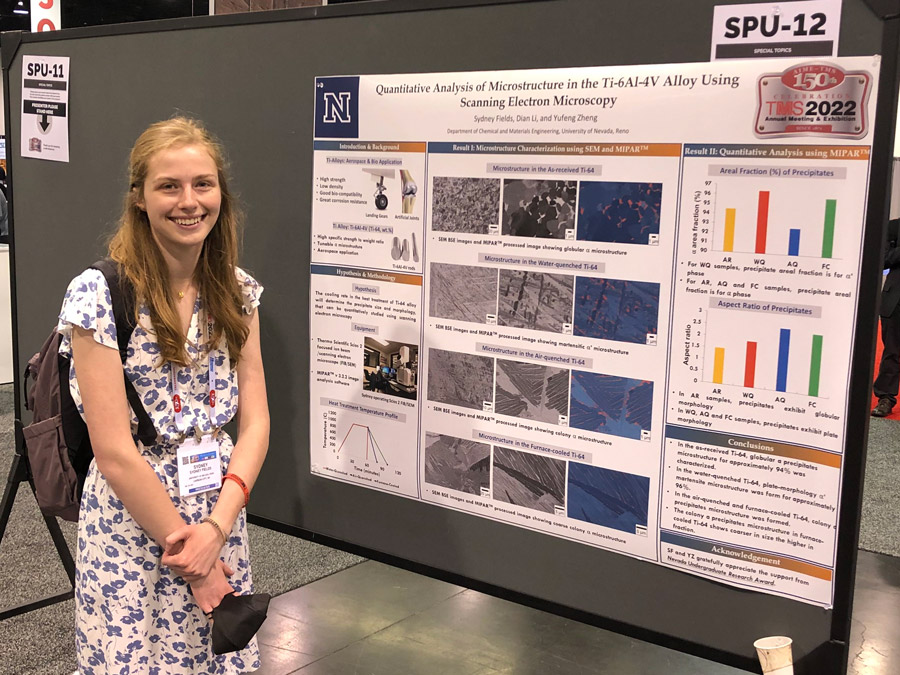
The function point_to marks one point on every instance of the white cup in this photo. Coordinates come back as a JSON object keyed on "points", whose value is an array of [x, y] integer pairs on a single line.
{"points": [[775, 655]]}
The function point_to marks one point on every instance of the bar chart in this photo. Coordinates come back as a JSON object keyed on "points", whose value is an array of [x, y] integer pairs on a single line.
{"points": [[776, 224], [784, 359]]}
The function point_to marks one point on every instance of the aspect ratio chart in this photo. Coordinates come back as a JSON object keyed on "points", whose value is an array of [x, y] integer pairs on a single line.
{"points": [[765, 290], [368, 204]]}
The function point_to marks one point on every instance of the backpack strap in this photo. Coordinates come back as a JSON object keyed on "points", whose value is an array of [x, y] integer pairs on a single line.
{"points": [[121, 292]]}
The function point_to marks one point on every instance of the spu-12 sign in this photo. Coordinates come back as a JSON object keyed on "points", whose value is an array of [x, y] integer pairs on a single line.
{"points": [[766, 30]]}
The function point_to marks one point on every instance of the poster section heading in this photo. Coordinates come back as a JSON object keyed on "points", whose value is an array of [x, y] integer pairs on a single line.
{"points": [[563, 300]]}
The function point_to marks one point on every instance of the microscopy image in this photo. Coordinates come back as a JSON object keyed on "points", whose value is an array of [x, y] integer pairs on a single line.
{"points": [[457, 464], [465, 204], [531, 391], [535, 300], [460, 379], [621, 213], [462, 292], [613, 309], [532, 481], [609, 404], [608, 498], [539, 208]]}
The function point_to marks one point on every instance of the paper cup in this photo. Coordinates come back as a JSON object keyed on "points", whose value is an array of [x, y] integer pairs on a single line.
{"points": [[775, 655]]}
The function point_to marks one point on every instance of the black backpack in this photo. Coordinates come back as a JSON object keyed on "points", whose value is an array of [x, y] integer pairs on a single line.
{"points": [[57, 442]]}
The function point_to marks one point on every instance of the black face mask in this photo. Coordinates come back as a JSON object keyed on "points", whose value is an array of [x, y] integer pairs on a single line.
{"points": [[236, 620]]}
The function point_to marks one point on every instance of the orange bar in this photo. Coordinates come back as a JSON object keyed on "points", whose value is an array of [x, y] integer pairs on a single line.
{"points": [[719, 365], [728, 245]]}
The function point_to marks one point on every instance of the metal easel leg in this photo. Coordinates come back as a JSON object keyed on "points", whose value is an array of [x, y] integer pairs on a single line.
{"points": [[18, 474]]}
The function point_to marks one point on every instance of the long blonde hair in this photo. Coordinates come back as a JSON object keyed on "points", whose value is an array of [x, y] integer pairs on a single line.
{"points": [[133, 247]]}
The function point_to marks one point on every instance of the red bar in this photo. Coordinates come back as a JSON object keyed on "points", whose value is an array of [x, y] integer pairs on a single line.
{"points": [[762, 221], [750, 367]]}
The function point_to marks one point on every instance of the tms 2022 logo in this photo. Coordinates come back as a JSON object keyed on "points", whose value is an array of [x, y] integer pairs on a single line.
{"points": [[337, 107]]}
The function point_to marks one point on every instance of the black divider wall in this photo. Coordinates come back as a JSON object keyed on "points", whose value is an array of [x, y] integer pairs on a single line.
{"points": [[251, 80]]}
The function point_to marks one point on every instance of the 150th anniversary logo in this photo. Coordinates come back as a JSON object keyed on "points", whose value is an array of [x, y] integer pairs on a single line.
{"points": [[813, 99]]}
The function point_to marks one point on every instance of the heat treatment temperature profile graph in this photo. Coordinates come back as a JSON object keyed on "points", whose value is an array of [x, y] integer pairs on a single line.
{"points": [[361, 437], [766, 354]]}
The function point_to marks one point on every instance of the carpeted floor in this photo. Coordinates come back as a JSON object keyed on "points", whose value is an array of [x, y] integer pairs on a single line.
{"points": [[42, 642], [879, 530]]}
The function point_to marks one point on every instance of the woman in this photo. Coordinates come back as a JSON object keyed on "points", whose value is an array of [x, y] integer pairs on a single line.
{"points": [[158, 549]]}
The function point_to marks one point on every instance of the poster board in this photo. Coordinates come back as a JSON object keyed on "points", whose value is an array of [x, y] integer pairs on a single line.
{"points": [[260, 100]]}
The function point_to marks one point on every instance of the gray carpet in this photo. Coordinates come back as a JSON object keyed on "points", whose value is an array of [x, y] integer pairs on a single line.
{"points": [[879, 532], [42, 642]]}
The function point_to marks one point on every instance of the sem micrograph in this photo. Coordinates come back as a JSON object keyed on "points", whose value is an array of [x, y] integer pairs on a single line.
{"points": [[531, 391], [535, 300], [466, 205], [528, 480], [613, 309], [539, 208], [608, 498], [623, 213], [457, 463], [609, 404], [462, 292], [459, 379]]}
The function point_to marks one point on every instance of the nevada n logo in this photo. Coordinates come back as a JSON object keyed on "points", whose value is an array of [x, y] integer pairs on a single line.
{"points": [[337, 107]]}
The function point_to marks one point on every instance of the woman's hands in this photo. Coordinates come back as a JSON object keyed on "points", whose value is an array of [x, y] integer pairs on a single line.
{"points": [[210, 589], [192, 551]]}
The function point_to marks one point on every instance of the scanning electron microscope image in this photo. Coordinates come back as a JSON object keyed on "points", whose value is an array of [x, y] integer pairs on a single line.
{"points": [[531, 391], [609, 404], [462, 292], [460, 379], [457, 463], [623, 213], [468, 205], [524, 479], [539, 208], [535, 300], [609, 498], [614, 309]]}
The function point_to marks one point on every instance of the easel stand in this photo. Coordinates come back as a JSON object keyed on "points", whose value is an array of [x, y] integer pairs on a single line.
{"points": [[18, 474]]}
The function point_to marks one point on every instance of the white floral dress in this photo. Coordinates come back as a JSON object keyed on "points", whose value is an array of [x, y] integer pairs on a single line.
{"points": [[133, 615]]}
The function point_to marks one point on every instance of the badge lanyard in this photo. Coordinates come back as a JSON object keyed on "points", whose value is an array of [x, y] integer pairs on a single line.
{"points": [[177, 403]]}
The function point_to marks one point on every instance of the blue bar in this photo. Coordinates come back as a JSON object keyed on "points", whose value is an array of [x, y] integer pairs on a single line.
{"points": [[794, 243], [784, 347]]}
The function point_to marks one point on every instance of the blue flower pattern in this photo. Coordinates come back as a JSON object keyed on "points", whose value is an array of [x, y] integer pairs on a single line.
{"points": [[133, 616]]}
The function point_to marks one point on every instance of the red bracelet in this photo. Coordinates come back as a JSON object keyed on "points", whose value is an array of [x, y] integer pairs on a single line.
{"points": [[241, 483]]}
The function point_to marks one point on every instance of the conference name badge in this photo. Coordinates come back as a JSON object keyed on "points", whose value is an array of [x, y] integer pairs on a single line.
{"points": [[199, 467], [813, 99]]}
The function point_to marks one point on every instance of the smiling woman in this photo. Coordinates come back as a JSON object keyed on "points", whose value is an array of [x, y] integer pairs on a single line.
{"points": [[162, 533]]}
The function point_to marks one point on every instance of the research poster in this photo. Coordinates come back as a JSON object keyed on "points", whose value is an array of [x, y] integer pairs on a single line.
{"points": [[613, 305]]}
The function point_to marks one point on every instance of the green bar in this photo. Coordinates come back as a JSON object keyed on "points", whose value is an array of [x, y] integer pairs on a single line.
{"points": [[828, 236], [815, 365]]}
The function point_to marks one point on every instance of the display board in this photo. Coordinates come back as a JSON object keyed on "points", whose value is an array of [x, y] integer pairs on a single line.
{"points": [[582, 420], [616, 342]]}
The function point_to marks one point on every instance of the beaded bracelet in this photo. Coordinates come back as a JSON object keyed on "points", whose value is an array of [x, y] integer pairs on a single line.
{"points": [[211, 521], [237, 479]]}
